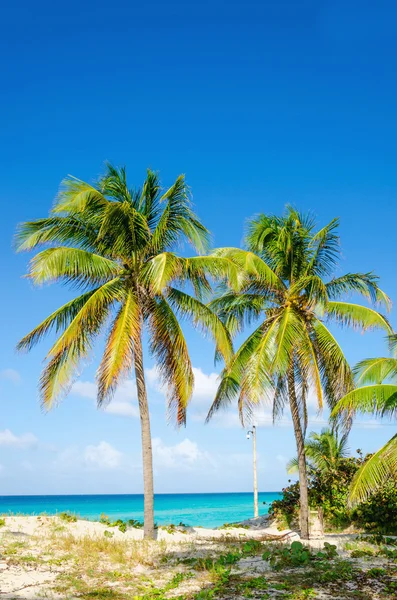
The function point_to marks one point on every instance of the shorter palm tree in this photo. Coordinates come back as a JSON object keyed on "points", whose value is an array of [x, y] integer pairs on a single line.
{"points": [[323, 451], [378, 396]]}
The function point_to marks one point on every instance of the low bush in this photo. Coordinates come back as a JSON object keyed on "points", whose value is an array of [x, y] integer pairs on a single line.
{"points": [[329, 490]]}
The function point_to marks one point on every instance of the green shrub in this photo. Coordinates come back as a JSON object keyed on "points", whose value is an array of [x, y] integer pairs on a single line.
{"points": [[329, 490], [67, 517], [379, 513], [2, 522]]}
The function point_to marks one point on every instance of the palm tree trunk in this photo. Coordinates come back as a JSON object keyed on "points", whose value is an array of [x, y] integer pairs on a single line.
{"points": [[147, 458], [300, 445]]}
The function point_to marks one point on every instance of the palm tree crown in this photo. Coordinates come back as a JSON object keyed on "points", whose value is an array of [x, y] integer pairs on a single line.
{"points": [[288, 285], [115, 244], [323, 451]]}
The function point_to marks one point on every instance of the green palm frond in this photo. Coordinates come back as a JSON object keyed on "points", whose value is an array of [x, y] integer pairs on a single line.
{"points": [[378, 399], [56, 230], [168, 346], [325, 250], [231, 376], [178, 222], [365, 284], [119, 351], [376, 370], [357, 316], [71, 265], [74, 343], [378, 469], [59, 319], [77, 197], [203, 317], [251, 265]]}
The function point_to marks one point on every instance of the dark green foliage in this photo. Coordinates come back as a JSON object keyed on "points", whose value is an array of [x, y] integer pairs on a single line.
{"points": [[379, 513], [286, 509], [297, 555]]}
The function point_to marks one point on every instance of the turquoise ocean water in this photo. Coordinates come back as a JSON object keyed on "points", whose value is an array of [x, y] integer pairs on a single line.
{"points": [[207, 510]]}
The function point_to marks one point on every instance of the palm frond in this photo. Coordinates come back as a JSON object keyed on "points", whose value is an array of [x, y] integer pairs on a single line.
{"points": [[380, 400], [365, 284], [357, 316], [168, 346], [178, 222], [379, 468], [204, 318], [71, 265], [325, 247], [117, 358], [376, 370], [56, 230]]}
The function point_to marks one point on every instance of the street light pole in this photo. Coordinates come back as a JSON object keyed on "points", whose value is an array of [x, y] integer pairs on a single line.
{"points": [[253, 432]]}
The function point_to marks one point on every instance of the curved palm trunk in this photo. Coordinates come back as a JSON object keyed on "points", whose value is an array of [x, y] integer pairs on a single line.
{"points": [[300, 445], [147, 458]]}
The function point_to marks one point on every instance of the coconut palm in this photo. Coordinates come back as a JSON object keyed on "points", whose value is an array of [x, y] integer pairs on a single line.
{"points": [[323, 451], [377, 396], [287, 286], [115, 244]]}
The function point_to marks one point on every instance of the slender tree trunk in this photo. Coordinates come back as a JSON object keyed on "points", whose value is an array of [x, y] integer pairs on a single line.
{"points": [[256, 509], [300, 445], [147, 457]]}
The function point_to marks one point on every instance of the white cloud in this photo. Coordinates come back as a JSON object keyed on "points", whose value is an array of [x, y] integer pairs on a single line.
{"points": [[122, 403], [123, 409], [26, 440], [183, 456], [10, 375], [103, 456], [85, 389], [205, 386]]}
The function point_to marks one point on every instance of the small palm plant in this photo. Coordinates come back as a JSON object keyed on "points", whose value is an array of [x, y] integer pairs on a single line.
{"points": [[288, 284], [115, 244], [377, 395], [323, 451]]}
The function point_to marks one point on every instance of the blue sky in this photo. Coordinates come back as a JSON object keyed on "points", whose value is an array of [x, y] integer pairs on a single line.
{"points": [[259, 104]]}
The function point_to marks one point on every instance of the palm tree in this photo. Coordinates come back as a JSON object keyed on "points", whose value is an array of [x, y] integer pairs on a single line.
{"points": [[286, 285], [116, 245], [323, 451], [380, 399]]}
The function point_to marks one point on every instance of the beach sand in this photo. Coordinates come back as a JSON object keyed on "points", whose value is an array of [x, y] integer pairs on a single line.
{"points": [[46, 557]]}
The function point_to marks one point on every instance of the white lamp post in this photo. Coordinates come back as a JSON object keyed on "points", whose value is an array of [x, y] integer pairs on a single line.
{"points": [[253, 433]]}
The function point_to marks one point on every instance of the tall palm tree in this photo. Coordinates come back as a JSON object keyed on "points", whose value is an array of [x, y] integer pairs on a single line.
{"points": [[115, 244], [380, 399], [323, 451], [286, 285]]}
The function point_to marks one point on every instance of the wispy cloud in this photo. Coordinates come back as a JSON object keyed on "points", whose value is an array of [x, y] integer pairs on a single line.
{"points": [[102, 456], [25, 440], [183, 456], [10, 375], [123, 403]]}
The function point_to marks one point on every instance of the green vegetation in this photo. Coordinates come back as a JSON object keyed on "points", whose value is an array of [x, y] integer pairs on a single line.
{"points": [[67, 517], [379, 399], [329, 490], [289, 285], [2, 522]]}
